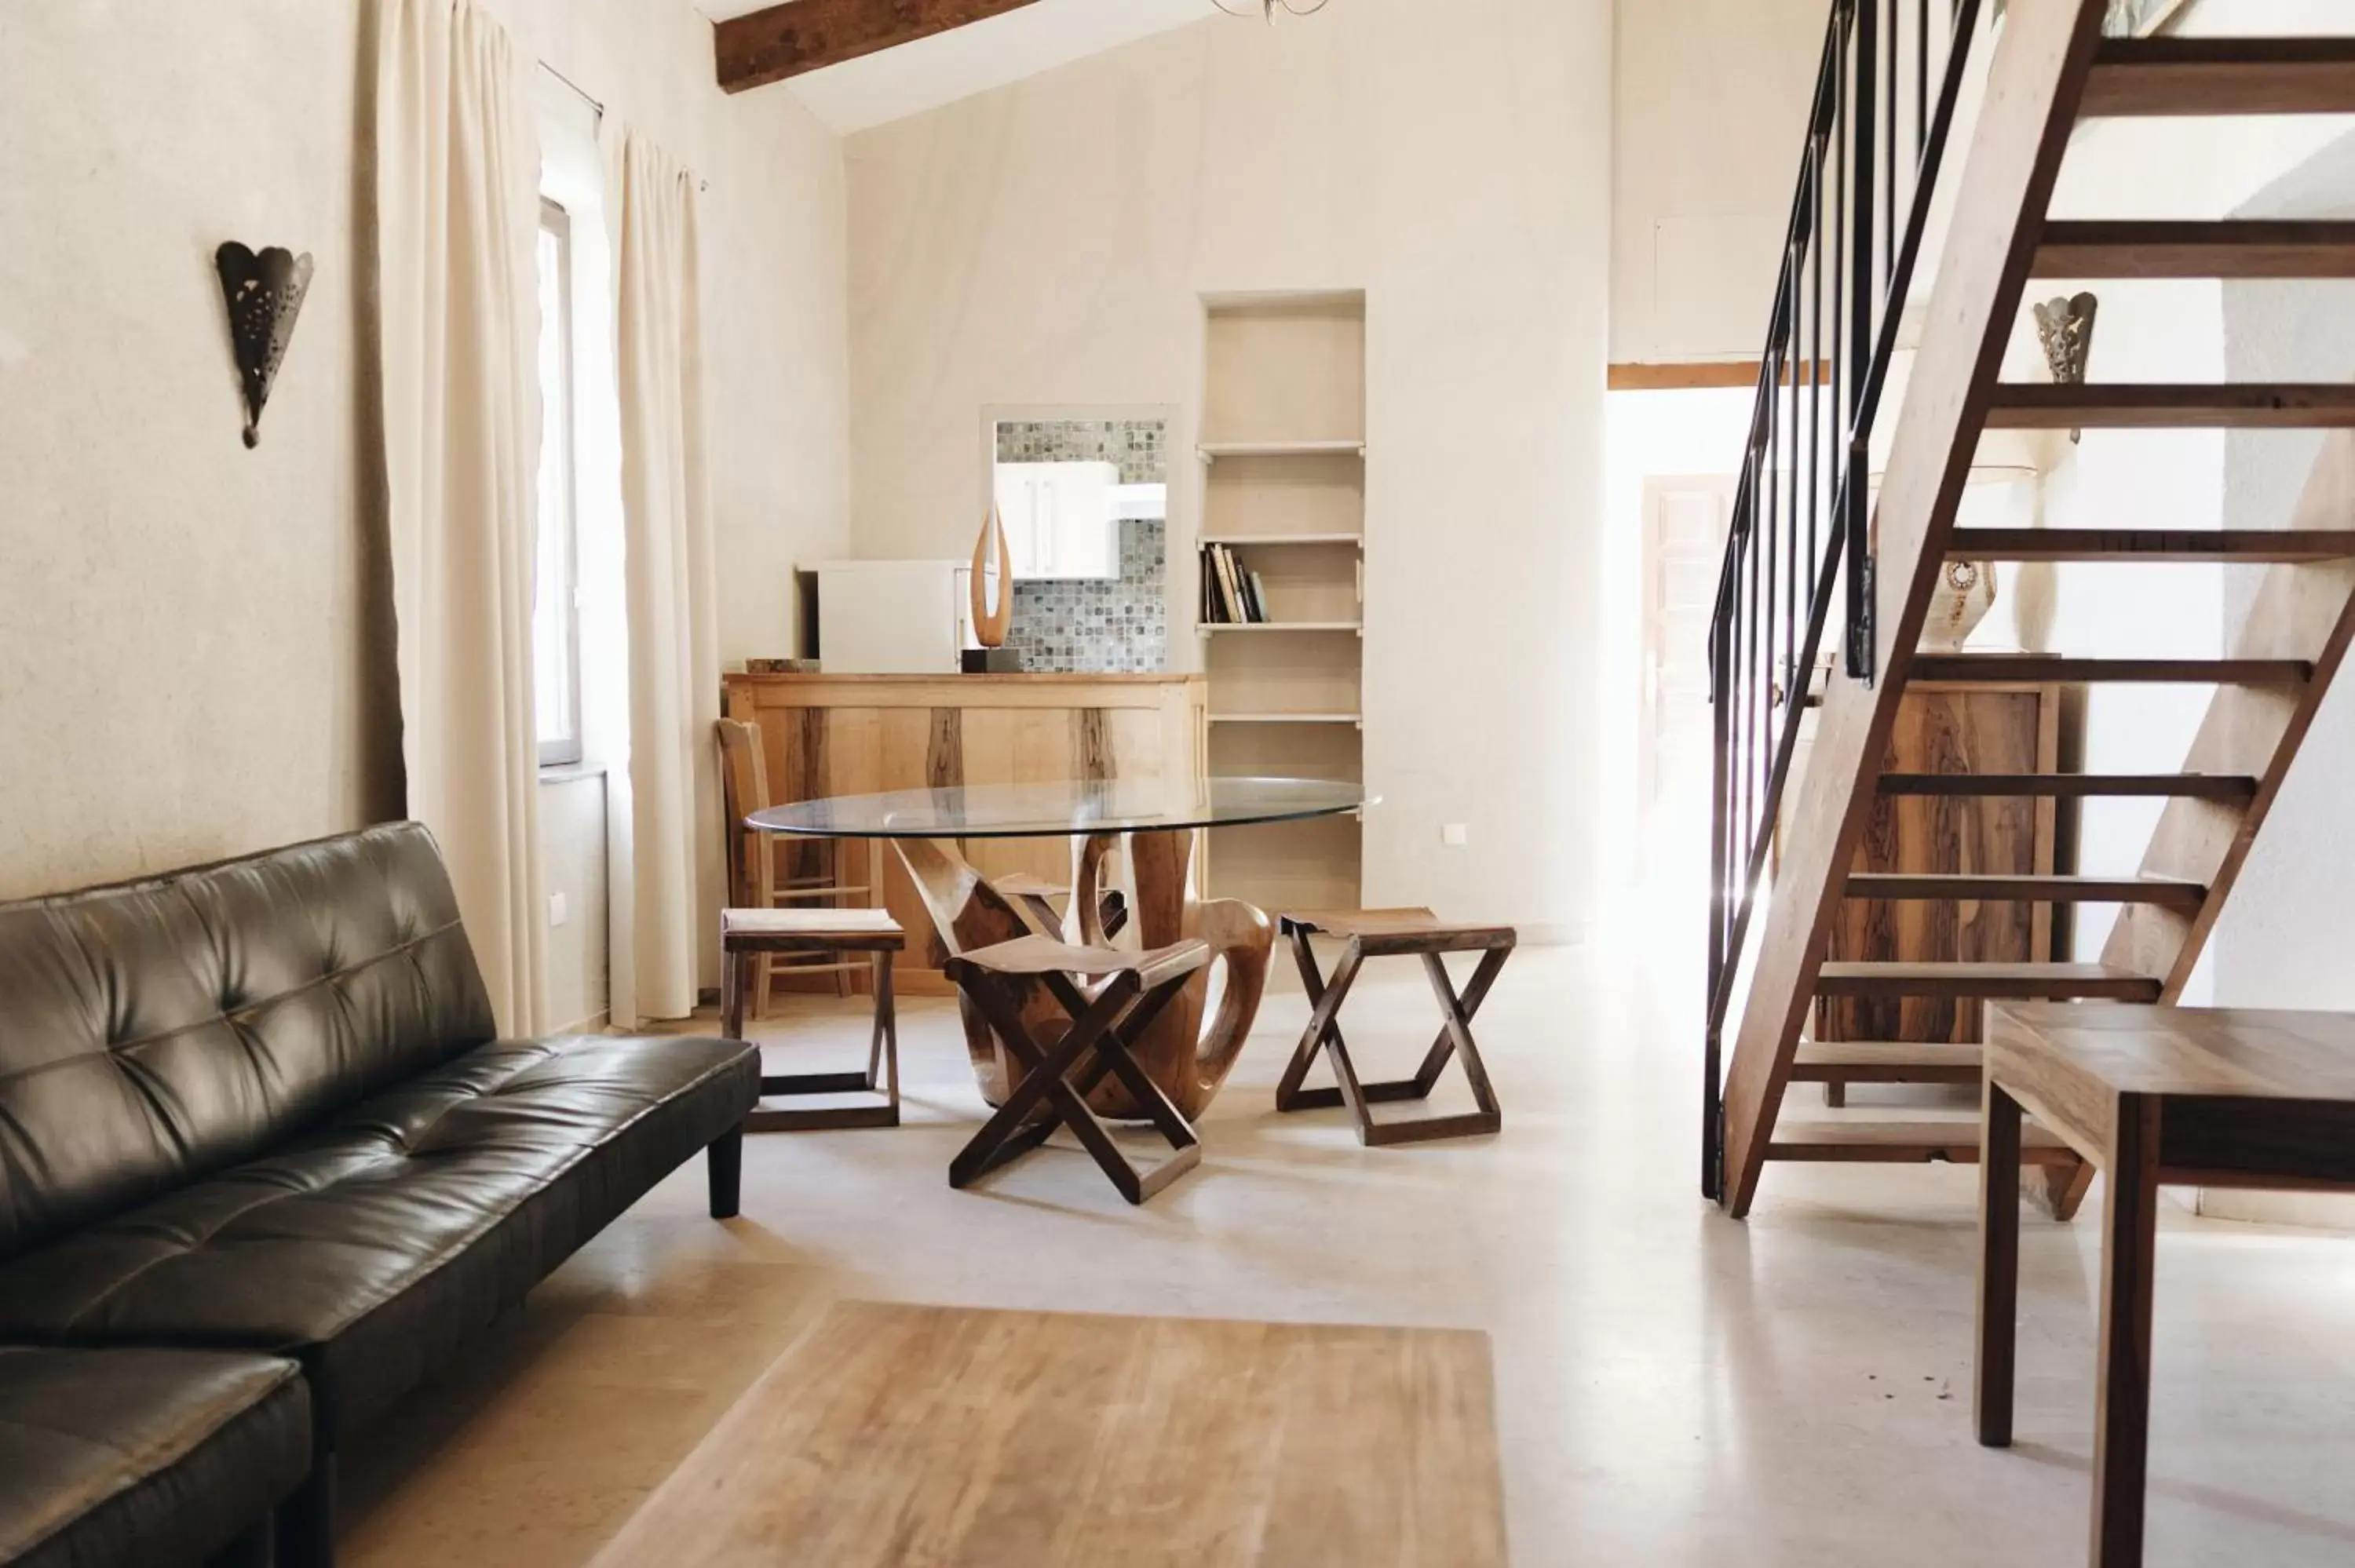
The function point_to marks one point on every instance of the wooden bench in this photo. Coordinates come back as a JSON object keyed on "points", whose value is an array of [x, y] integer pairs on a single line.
{"points": [[1393, 933], [748, 935], [2149, 1095]]}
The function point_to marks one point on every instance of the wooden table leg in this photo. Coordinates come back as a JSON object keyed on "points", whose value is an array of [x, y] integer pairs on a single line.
{"points": [[2130, 1251], [1999, 1119], [732, 996]]}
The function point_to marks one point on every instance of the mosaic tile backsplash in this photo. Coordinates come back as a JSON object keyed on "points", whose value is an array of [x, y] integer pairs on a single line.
{"points": [[1118, 626]]}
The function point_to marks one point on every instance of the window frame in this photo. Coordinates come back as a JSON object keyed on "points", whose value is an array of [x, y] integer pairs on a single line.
{"points": [[565, 751]]}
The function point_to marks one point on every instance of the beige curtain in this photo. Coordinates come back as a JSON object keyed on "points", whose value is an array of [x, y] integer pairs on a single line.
{"points": [[457, 210], [676, 879]]}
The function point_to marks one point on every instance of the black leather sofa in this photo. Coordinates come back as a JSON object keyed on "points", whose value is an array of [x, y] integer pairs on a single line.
{"points": [[257, 1110]]}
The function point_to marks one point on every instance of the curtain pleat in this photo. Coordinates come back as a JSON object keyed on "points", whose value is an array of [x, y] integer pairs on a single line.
{"points": [[677, 880], [457, 211]]}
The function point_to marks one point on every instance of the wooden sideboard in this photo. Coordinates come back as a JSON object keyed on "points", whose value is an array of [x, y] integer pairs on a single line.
{"points": [[857, 734]]}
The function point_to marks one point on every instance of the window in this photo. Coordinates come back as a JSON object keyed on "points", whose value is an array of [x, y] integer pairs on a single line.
{"points": [[556, 576]]}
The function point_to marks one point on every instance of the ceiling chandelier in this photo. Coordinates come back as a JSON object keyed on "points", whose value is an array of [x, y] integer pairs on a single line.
{"points": [[1268, 8]]}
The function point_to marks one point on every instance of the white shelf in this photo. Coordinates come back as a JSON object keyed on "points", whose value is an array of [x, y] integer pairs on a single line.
{"points": [[1357, 719], [1208, 627], [1251, 541], [1211, 452]]}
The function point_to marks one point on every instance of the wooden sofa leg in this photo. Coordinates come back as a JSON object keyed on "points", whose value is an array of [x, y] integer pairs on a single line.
{"points": [[306, 1519], [253, 1547], [726, 1159]]}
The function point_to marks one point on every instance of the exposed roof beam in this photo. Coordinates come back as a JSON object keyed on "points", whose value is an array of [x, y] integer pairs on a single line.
{"points": [[806, 34]]}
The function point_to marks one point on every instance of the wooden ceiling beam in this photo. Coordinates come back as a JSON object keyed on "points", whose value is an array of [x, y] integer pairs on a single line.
{"points": [[802, 36]]}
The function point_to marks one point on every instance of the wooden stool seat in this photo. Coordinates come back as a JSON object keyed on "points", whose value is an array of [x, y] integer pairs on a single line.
{"points": [[810, 930], [1044, 955], [1393, 933], [1009, 983], [747, 935], [1390, 931]]}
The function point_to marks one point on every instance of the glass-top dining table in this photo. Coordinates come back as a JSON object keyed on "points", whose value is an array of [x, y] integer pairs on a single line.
{"points": [[1155, 822]]}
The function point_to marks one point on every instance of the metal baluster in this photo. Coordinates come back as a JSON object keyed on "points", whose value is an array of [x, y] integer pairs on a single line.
{"points": [[1868, 94], [1890, 75]]}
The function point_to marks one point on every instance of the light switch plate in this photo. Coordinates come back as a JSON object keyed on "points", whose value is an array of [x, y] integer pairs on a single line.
{"points": [[1455, 835], [557, 912]]}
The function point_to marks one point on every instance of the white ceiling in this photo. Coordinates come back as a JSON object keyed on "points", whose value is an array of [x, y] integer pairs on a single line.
{"points": [[973, 58]]}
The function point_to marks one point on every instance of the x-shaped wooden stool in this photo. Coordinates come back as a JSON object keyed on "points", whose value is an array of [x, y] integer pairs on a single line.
{"points": [[1392, 933], [1006, 983]]}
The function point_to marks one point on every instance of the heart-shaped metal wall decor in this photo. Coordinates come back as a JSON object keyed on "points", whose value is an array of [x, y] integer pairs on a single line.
{"points": [[264, 294]]}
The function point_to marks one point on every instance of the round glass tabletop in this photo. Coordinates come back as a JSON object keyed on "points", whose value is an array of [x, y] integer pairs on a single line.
{"points": [[1063, 810]]}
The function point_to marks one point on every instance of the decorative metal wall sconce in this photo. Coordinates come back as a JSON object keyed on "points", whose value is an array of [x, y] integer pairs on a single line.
{"points": [[2067, 328], [264, 295]]}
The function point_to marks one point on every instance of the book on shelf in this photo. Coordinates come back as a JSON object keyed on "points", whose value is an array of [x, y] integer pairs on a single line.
{"points": [[1228, 596], [1258, 596]]}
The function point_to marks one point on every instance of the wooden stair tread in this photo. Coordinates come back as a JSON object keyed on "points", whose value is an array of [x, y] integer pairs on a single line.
{"points": [[2150, 76], [2075, 786], [2147, 545], [1905, 1141], [1884, 1061], [2166, 406], [2078, 668], [1989, 888], [2032, 981], [2169, 249]]}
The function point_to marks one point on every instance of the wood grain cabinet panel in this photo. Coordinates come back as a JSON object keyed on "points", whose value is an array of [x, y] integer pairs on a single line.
{"points": [[859, 734], [1951, 729]]}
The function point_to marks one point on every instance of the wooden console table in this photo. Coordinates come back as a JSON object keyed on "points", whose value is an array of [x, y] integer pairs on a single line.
{"points": [[2150, 1095]]}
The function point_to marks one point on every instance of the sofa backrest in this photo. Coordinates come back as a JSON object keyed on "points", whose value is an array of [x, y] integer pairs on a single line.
{"points": [[156, 1031]]}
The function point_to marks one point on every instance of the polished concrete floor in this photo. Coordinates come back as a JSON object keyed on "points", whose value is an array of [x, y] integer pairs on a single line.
{"points": [[1674, 1389]]}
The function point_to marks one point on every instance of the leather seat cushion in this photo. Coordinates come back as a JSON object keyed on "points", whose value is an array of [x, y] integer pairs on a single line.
{"points": [[140, 1458], [374, 1247]]}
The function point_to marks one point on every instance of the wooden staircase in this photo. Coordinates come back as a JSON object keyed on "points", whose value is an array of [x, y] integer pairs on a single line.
{"points": [[2053, 70]]}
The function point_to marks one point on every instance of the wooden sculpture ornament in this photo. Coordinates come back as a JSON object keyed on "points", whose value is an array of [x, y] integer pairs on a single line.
{"points": [[990, 626]]}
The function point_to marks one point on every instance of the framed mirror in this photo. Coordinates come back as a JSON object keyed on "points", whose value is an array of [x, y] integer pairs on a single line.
{"points": [[1066, 488]]}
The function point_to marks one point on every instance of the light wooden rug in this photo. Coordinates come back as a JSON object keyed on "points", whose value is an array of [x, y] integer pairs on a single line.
{"points": [[904, 1436]]}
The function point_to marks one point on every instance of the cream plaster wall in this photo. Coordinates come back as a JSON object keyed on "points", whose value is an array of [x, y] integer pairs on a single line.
{"points": [[194, 647], [194, 657], [1050, 243], [1712, 100]]}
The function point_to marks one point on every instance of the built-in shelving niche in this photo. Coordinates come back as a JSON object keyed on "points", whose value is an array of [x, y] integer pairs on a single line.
{"points": [[1283, 445]]}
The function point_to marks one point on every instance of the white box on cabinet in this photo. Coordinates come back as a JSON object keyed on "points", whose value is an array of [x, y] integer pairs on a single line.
{"points": [[892, 618]]}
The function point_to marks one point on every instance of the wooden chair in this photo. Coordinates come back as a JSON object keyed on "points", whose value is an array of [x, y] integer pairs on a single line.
{"points": [[1388, 933], [1021, 985], [748, 935], [754, 881]]}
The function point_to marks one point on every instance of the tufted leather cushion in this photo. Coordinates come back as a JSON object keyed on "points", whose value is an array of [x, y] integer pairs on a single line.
{"points": [[154, 1033], [373, 1246], [143, 1458]]}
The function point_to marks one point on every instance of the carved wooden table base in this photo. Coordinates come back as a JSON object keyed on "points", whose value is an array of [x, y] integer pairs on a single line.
{"points": [[1186, 1056]]}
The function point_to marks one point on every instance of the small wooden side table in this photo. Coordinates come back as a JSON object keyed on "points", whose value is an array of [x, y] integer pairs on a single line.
{"points": [[2150, 1095]]}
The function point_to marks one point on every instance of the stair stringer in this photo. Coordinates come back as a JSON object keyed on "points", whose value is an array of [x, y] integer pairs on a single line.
{"points": [[2041, 64]]}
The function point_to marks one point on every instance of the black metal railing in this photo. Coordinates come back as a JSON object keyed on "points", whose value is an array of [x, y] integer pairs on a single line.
{"points": [[1801, 528]]}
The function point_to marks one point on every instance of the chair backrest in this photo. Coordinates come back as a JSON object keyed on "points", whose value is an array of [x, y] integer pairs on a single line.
{"points": [[156, 1031], [744, 781], [744, 770]]}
